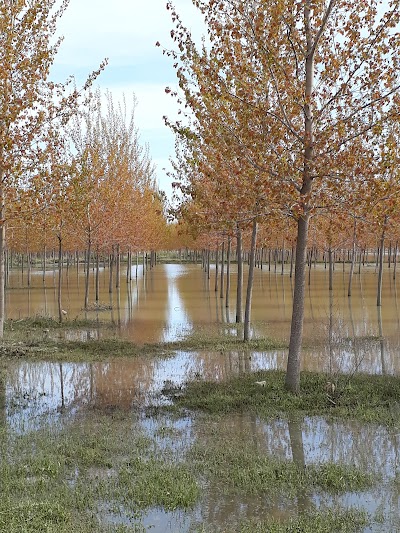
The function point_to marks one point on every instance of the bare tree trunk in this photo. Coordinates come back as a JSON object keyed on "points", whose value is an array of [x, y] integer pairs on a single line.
{"points": [[247, 312], [87, 272], [380, 271], [291, 262], [44, 264], [296, 330], [110, 281], [97, 276], [2, 262], [222, 269], [353, 258], [118, 272], [216, 268], [228, 272], [239, 288], [60, 310], [395, 260], [330, 256], [129, 266], [29, 267]]}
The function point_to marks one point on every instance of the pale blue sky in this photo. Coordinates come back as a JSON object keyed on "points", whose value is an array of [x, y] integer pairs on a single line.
{"points": [[126, 31]]}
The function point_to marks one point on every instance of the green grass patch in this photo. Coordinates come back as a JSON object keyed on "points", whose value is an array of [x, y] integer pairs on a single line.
{"points": [[40, 322], [222, 339], [101, 465], [366, 398]]}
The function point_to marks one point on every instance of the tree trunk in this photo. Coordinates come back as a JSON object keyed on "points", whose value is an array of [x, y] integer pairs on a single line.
{"points": [[353, 259], [60, 310], [216, 268], [87, 273], [110, 281], [228, 272], [291, 262], [118, 272], [239, 288], [129, 266], [97, 276], [380, 271], [296, 330], [2, 263], [395, 260], [247, 313], [29, 267], [221, 295]]}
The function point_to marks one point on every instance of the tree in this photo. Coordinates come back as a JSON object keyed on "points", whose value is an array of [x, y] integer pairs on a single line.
{"points": [[309, 78], [30, 105]]}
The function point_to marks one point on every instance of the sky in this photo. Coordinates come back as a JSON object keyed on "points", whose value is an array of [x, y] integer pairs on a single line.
{"points": [[125, 31]]}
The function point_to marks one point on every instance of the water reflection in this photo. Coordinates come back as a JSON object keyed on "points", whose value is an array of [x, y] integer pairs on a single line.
{"points": [[341, 334], [40, 391], [172, 300], [38, 394]]}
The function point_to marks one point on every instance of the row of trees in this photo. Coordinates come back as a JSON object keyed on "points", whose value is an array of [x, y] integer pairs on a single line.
{"points": [[73, 174], [289, 110]]}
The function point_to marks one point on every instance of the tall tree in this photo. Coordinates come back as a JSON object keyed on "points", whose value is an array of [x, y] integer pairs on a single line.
{"points": [[297, 82]]}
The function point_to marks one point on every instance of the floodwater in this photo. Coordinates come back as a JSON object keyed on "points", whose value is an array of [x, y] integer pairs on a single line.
{"points": [[171, 301]]}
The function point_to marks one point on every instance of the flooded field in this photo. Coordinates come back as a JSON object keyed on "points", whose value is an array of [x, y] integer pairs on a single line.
{"points": [[341, 335], [171, 301]]}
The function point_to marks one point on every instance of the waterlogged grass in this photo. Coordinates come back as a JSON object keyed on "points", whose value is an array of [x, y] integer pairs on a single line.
{"points": [[328, 521], [42, 338], [224, 339], [60, 480], [78, 478], [363, 397], [234, 456], [251, 472]]}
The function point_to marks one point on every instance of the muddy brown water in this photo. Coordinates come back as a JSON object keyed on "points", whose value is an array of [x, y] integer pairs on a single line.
{"points": [[169, 302]]}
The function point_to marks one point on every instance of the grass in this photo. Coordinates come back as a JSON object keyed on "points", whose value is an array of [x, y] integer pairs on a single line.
{"points": [[62, 479], [42, 338], [327, 521], [58, 480], [247, 470], [367, 398], [106, 464], [224, 339]]}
